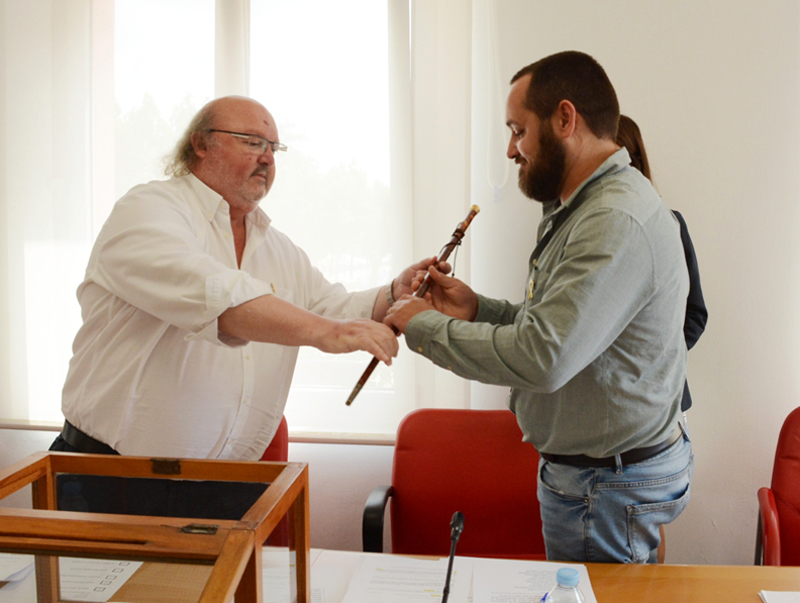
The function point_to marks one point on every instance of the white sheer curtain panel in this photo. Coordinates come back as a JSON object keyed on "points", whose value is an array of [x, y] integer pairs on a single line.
{"points": [[441, 57], [45, 196], [232, 47], [492, 270]]}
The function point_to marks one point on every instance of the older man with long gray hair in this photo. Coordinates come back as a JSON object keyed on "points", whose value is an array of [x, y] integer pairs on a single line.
{"points": [[194, 307]]}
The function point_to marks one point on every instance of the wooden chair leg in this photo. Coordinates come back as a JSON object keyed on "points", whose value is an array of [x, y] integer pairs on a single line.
{"points": [[662, 547]]}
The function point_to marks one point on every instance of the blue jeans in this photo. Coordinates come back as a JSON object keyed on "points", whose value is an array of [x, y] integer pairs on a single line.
{"points": [[612, 515]]}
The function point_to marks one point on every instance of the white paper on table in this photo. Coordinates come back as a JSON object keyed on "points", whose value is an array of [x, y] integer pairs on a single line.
{"points": [[94, 580], [328, 584], [391, 579], [517, 581], [277, 564], [22, 589], [772, 596], [14, 566], [331, 573]]}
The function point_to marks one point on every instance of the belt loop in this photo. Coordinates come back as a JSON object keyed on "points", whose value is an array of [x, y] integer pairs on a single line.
{"points": [[618, 460]]}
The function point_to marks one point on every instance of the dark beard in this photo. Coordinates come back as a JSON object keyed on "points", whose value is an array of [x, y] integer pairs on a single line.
{"points": [[542, 180]]}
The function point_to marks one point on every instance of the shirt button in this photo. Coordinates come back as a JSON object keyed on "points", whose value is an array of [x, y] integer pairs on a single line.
{"points": [[419, 349]]}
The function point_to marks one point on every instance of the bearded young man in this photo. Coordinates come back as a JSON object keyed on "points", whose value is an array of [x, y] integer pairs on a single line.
{"points": [[594, 354]]}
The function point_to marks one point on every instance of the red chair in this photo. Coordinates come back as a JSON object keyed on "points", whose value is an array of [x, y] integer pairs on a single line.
{"points": [[278, 449], [278, 452], [778, 540], [449, 460]]}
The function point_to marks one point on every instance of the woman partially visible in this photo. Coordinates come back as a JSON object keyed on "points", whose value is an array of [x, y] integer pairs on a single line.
{"points": [[629, 136]]}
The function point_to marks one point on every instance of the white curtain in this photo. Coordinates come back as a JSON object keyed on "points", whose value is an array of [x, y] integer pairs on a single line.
{"points": [[441, 82], [45, 195], [232, 48]]}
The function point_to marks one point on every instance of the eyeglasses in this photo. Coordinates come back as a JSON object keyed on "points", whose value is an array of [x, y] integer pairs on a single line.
{"points": [[255, 143]]}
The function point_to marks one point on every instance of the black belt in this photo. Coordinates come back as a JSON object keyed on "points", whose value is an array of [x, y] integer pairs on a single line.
{"points": [[83, 442], [637, 455]]}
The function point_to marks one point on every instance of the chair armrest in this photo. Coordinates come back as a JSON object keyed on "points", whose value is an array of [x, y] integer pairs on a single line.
{"points": [[768, 542], [372, 524]]}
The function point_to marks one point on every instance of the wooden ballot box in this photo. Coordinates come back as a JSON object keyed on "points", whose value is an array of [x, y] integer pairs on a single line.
{"points": [[178, 559]]}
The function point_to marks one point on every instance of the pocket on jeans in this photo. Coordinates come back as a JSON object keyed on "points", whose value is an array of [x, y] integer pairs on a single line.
{"points": [[549, 481], [644, 521]]}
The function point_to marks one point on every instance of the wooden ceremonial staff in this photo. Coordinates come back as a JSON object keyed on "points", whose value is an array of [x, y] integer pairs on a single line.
{"points": [[455, 240]]}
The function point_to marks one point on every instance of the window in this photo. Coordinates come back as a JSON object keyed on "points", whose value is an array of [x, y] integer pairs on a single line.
{"points": [[162, 76]]}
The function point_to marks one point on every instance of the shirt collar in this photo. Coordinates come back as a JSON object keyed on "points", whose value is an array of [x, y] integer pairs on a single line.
{"points": [[211, 202], [616, 161]]}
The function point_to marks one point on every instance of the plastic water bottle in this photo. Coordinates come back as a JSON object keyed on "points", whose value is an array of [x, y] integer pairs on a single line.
{"points": [[566, 591]]}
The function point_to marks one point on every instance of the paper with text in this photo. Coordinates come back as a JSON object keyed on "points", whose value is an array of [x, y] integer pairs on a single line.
{"points": [[391, 579], [278, 566], [93, 580]]}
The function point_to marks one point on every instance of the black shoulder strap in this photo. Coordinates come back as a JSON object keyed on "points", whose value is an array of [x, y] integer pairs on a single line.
{"points": [[554, 226]]}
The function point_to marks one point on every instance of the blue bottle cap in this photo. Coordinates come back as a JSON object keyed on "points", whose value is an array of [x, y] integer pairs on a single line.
{"points": [[567, 576]]}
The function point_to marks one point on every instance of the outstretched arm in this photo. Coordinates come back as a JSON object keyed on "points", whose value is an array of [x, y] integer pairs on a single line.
{"points": [[270, 319]]}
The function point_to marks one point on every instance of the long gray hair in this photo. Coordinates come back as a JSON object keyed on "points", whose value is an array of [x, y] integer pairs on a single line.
{"points": [[183, 158]]}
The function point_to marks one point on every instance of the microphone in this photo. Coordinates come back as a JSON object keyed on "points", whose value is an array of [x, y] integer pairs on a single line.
{"points": [[456, 527]]}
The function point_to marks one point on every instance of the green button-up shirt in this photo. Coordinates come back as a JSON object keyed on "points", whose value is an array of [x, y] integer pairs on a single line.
{"points": [[595, 353]]}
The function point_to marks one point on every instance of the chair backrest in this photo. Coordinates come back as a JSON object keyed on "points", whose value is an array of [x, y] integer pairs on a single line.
{"points": [[278, 452], [786, 488], [473, 461], [278, 449]]}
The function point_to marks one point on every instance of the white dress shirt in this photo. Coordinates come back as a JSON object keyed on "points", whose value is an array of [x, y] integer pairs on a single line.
{"points": [[150, 374]]}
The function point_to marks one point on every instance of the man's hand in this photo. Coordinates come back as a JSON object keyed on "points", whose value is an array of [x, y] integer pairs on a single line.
{"points": [[403, 284], [409, 279], [449, 295], [359, 334], [445, 294], [404, 309]]}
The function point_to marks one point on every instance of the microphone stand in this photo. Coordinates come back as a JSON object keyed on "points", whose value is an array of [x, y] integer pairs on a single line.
{"points": [[456, 527], [455, 240]]}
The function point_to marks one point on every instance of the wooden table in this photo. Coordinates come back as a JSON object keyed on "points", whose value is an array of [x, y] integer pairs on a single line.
{"points": [[611, 583], [688, 583], [228, 552]]}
